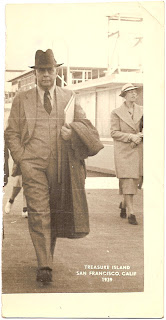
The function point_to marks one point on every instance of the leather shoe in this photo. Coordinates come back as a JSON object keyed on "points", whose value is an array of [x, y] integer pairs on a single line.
{"points": [[122, 212], [44, 275], [132, 219]]}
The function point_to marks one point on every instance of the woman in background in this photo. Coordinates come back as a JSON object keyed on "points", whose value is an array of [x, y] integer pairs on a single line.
{"points": [[17, 186], [128, 149]]}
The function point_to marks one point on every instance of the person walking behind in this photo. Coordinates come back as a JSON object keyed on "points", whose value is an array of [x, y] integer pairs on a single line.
{"points": [[17, 186], [128, 149]]}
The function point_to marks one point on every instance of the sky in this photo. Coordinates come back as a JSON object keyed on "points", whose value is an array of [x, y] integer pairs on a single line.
{"points": [[76, 32]]}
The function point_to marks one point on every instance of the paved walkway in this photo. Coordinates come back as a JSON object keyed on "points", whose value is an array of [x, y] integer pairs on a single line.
{"points": [[112, 242]]}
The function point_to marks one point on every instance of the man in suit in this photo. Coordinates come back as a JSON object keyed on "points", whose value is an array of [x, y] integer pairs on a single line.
{"points": [[51, 157]]}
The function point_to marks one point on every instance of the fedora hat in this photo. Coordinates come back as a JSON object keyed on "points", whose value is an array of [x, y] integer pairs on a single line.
{"points": [[127, 87], [45, 59]]}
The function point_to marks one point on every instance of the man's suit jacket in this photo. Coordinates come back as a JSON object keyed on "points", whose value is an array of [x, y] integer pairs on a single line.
{"points": [[22, 119], [72, 214]]}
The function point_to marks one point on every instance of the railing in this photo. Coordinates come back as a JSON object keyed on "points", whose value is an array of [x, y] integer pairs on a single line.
{"points": [[75, 81]]}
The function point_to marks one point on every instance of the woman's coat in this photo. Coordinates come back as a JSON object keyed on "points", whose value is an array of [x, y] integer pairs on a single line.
{"points": [[128, 159]]}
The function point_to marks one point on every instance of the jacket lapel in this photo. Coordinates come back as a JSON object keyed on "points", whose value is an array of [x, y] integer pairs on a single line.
{"points": [[138, 112], [125, 116], [60, 104], [30, 107]]}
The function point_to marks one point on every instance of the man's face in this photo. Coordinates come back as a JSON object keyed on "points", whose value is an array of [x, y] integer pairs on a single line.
{"points": [[46, 77], [131, 95]]}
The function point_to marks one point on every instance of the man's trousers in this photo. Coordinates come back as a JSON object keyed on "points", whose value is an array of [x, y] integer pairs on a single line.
{"points": [[42, 192]]}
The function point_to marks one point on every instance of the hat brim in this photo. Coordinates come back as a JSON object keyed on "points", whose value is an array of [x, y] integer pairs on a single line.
{"points": [[46, 66], [122, 94]]}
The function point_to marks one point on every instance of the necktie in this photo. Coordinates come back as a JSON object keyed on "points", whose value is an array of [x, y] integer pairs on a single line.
{"points": [[47, 103]]}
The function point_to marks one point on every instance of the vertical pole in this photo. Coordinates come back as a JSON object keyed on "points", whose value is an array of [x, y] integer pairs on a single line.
{"points": [[119, 39], [108, 61], [68, 66], [83, 76], [62, 81]]}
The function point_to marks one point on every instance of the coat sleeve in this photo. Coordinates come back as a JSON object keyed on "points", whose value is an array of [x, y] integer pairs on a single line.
{"points": [[116, 132], [6, 164], [12, 132], [85, 138], [79, 113]]}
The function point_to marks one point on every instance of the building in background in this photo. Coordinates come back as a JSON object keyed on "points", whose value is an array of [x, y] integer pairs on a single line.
{"points": [[25, 80], [9, 90], [97, 89], [125, 43], [98, 98]]}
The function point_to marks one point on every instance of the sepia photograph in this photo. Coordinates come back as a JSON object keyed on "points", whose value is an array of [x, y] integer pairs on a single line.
{"points": [[78, 211]]}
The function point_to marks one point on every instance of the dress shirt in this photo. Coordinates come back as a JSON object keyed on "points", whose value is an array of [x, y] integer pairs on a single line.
{"points": [[51, 94]]}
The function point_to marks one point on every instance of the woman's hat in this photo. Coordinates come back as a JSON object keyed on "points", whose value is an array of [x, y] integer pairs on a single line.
{"points": [[45, 59], [127, 87]]}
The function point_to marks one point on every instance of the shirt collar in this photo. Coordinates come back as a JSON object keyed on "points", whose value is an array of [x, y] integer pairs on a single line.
{"points": [[127, 106], [41, 92]]}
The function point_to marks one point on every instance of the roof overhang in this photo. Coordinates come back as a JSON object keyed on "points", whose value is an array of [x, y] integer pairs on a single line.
{"points": [[21, 75], [73, 69], [106, 83]]}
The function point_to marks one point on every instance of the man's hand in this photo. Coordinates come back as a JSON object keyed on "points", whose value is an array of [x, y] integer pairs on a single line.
{"points": [[66, 132]]}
